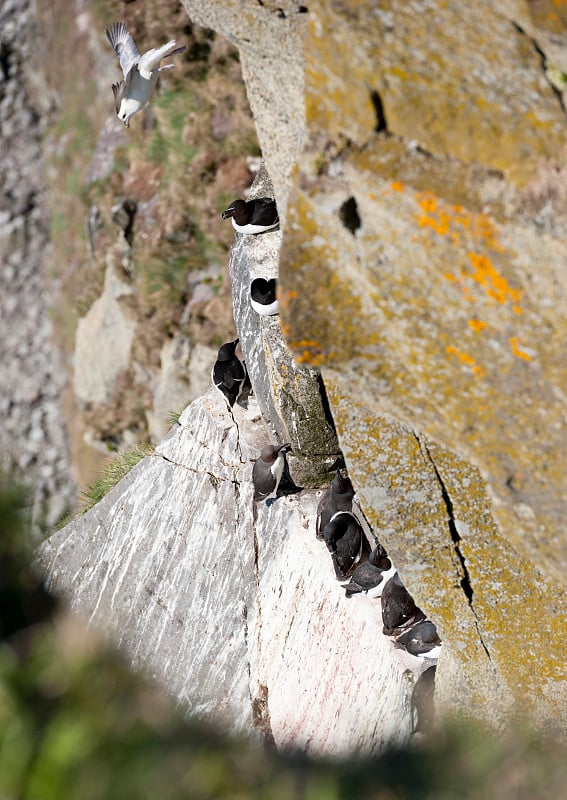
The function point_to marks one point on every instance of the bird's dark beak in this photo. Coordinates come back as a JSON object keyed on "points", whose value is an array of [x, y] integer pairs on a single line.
{"points": [[227, 214]]}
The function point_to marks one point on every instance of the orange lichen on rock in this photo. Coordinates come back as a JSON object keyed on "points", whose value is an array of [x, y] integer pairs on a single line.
{"points": [[454, 221], [397, 186], [477, 325], [495, 285], [515, 346], [465, 359]]}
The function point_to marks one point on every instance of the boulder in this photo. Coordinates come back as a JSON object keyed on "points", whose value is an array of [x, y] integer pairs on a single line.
{"points": [[185, 373], [103, 341]]}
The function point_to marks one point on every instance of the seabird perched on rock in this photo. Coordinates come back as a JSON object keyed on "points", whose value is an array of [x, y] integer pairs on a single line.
{"points": [[422, 702], [253, 216], [399, 610], [268, 470], [337, 498], [371, 576], [140, 72], [345, 541], [229, 373], [263, 296], [421, 640]]}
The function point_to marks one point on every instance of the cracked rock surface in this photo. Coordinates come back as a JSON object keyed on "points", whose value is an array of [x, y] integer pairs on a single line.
{"points": [[422, 270], [233, 608]]}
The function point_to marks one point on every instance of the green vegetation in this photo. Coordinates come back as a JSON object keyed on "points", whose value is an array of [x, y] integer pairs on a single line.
{"points": [[173, 417], [114, 469], [174, 161]]}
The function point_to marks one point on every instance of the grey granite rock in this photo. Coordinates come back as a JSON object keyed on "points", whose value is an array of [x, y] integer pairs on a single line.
{"points": [[233, 607]]}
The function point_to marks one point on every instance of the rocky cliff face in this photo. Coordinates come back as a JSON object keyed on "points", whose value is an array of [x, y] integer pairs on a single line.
{"points": [[233, 608], [33, 439], [421, 270]]}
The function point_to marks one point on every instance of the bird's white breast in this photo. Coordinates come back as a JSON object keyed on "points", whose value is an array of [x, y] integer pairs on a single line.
{"points": [[252, 228], [277, 468]]}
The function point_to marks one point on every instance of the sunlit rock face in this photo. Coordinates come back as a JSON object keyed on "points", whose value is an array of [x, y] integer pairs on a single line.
{"points": [[233, 608], [291, 395], [422, 270]]}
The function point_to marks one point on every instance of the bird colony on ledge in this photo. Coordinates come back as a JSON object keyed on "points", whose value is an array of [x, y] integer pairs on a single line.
{"points": [[360, 570]]}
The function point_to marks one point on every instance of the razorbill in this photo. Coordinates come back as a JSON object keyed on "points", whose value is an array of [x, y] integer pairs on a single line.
{"points": [[422, 701], [229, 373], [422, 640], [253, 216], [263, 296], [267, 472], [338, 497], [399, 610], [140, 72], [345, 541], [371, 576]]}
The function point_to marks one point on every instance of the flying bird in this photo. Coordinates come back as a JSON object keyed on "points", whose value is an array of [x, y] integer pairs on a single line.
{"points": [[229, 372], [337, 498], [267, 472], [140, 72], [253, 216]]}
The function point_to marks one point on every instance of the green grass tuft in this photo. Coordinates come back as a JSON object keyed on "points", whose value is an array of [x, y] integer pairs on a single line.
{"points": [[112, 472], [173, 417]]}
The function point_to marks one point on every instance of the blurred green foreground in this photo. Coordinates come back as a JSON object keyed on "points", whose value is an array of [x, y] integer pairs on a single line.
{"points": [[76, 723]]}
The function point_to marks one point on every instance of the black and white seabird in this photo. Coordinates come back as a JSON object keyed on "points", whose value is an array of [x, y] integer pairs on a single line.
{"points": [[423, 701], [345, 541], [421, 640], [253, 216], [399, 610], [267, 472], [371, 576], [337, 498], [263, 296], [229, 373]]}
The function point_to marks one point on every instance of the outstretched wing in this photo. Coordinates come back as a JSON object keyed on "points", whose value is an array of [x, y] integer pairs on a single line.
{"points": [[123, 45], [151, 59]]}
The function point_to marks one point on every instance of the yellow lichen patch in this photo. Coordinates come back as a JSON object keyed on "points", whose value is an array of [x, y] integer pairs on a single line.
{"points": [[515, 346], [477, 325], [495, 285], [325, 321], [397, 186], [465, 359]]}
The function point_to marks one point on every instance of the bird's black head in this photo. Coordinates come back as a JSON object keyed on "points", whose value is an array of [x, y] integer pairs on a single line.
{"points": [[226, 351], [271, 451], [341, 483], [234, 209]]}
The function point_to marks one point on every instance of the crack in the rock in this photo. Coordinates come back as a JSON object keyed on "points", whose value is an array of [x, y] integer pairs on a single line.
{"points": [[544, 61], [456, 538], [238, 447], [216, 480]]}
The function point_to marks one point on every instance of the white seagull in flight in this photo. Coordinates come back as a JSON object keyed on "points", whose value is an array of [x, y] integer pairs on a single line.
{"points": [[140, 72]]}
